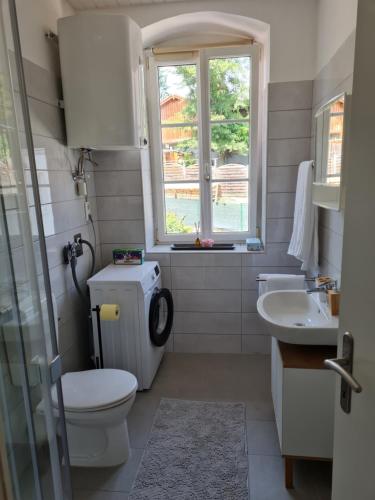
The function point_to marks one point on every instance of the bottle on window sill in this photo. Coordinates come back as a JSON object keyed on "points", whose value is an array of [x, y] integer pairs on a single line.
{"points": [[197, 242]]}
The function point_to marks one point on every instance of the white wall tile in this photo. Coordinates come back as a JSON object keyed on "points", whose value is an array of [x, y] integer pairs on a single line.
{"points": [[209, 323], [119, 207], [275, 255], [280, 205], [332, 220], [282, 179], [46, 120], [207, 301], [249, 301], [114, 231], [164, 259], [207, 278], [198, 343], [252, 344], [50, 154], [166, 280], [331, 244], [117, 160], [118, 183], [60, 217], [252, 324], [284, 152], [289, 124], [279, 230], [290, 95], [213, 259]]}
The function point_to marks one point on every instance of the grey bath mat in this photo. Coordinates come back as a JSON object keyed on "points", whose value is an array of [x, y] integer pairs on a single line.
{"points": [[197, 450]]}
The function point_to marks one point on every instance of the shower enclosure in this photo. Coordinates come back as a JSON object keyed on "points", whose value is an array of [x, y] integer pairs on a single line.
{"points": [[34, 461]]}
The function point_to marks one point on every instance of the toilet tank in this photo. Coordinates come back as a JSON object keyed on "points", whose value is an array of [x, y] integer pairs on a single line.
{"points": [[102, 77]]}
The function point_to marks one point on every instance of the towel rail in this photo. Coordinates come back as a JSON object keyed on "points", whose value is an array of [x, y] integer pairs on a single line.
{"points": [[306, 279]]}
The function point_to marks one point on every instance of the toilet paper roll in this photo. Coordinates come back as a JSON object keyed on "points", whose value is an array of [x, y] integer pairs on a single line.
{"points": [[109, 312]]}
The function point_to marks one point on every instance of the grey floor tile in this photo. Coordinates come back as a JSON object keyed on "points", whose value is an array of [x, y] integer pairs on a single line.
{"points": [[146, 402], [222, 377], [266, 479], [139, 426], [108, 479], [262, 438], [99, 495], [260, 410], [212, 377]]}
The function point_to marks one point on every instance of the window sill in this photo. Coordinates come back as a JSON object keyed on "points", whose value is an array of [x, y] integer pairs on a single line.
{"points": [[239, 248]]}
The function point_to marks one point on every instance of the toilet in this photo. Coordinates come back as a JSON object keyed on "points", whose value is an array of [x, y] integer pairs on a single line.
{"points": [[96, 404]]}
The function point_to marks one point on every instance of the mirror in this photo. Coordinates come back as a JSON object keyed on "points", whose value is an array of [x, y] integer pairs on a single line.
{"points": [[330, 125]]}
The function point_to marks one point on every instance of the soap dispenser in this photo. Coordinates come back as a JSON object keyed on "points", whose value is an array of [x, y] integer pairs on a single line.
{"points": [[334, 300]]}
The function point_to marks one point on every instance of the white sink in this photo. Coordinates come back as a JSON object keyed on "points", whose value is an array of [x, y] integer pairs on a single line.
{"points": [[296, 317]]}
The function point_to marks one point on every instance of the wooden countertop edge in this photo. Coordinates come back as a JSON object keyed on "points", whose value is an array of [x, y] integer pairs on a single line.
{"points": [[308, 357]]}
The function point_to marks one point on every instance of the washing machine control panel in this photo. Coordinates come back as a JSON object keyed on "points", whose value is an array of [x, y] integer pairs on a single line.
{"points": [[152, 278]]}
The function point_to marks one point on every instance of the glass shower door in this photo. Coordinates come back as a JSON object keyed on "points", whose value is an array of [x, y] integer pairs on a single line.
{"points": [[34, 462]]}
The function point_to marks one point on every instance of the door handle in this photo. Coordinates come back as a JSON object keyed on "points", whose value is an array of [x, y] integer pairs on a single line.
{"points": [[340, 365], [344, 367]]}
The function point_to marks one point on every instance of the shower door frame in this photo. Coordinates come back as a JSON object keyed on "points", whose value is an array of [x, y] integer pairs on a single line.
{"points": [[62, 488]]}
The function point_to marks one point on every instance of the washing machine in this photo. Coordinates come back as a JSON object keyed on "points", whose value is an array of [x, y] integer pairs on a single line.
{"points": [[136, 341]]}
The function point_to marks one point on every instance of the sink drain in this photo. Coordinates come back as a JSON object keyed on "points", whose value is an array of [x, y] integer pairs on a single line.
{"points": [[299, 324]]}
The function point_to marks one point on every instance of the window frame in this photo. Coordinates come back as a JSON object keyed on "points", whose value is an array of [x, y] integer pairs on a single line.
{"points": [[201, 60]]}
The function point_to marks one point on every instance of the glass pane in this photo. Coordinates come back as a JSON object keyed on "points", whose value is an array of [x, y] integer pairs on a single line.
{"points": [[335, 138], [230, 151], [28, 423], [180, 153], [229, 88], [178, 93], [182, 207], [230, 206]]}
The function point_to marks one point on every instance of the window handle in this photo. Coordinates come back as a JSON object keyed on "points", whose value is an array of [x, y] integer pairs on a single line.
{"points": [[207, 176]]}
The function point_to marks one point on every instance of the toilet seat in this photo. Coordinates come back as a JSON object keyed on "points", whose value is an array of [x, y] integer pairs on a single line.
{"points": [[95, 390]]}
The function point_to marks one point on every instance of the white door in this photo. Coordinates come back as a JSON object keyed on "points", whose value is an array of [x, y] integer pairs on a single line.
{"points": [[354, 443]]}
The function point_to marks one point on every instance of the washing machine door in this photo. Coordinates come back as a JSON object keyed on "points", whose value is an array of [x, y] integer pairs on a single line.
{"points": [[161, 316]]}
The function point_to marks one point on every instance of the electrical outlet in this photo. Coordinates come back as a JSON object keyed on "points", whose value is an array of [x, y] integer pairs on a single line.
{"points": [[87, 210]]}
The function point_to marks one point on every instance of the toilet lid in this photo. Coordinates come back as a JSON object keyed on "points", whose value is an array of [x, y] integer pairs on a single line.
{"points": [[95, 389]]}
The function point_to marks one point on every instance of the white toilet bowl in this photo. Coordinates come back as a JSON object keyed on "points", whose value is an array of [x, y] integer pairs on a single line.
{"points": [[96, 404]]}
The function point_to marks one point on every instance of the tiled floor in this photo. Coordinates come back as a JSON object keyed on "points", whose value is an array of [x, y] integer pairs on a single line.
{"points": [[212, 377]]}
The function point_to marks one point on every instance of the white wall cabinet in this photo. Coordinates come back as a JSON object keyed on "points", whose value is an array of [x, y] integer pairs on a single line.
{"points": [[303, 398]]}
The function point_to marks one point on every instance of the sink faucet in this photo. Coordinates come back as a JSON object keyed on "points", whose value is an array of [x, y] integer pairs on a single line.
{"points": [[324, 287]]}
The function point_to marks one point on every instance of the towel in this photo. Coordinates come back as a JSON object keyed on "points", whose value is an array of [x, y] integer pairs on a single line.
{"points": [[280, 282], [304, 242]]}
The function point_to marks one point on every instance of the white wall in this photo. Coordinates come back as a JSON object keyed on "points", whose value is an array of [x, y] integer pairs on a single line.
{"points": [[336, 21], [292, 28], [35, 18]]}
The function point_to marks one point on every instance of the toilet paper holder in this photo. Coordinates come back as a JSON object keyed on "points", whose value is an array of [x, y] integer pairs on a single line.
{"points": [[99, 360]]}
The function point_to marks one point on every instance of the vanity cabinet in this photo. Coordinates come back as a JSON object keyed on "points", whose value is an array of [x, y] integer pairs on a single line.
{"points": [[303, 397]]}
